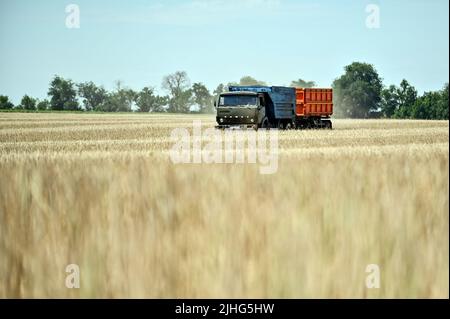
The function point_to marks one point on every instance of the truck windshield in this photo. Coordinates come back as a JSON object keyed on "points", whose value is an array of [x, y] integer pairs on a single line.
{"points": [[234, 100]]}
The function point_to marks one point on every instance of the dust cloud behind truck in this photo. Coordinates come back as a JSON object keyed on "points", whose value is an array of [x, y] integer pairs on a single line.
{"points": [[274, 107]]}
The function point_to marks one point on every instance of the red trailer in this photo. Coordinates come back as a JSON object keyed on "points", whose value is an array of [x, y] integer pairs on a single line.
{"points": [[313, 107]]}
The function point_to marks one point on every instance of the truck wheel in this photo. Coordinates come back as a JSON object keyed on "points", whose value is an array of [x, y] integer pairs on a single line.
{"points": [[265, 123]]}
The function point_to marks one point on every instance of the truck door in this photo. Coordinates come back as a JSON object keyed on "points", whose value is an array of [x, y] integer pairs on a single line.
{"points": [[261, 107], [261, 100]]}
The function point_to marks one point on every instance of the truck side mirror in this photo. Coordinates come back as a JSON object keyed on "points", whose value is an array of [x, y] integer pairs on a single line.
{"points": [[215, 103]]}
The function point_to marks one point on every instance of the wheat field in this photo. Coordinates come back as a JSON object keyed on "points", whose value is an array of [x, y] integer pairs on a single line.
{"points": [[99, 191]]}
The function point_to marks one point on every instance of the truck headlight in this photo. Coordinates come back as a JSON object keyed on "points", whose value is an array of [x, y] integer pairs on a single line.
{"points": [[221, 120], [251, 120]]}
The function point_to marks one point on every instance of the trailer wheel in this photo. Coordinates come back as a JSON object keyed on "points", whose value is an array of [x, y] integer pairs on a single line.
{"points": [[280, 125], [288, 126], [328, 125]]}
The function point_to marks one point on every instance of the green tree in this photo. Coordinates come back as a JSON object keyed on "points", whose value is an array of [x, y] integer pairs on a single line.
{"points": [[303, 84], [180, 94], [248, 80], [442, 107], [63, 94], [147, 101], [219, 89], [5, 103], [92, 95], [43, 105], [358, 91], [202, 98], [424, 106], [121, 100], [28, 103], [389, 101], [407, 96]]}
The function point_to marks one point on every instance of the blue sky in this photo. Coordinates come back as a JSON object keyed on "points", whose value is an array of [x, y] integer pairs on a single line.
{"points": [[138, 42]]}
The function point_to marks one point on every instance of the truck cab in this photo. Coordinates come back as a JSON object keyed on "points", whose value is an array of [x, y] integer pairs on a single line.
{"points": [[243, 108]]}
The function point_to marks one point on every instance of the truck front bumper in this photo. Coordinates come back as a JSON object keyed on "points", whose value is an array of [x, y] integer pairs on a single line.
{"points": [[237, 126], [236, 120]]}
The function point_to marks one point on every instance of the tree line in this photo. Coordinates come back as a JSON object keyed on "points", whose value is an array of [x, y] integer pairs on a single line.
{"points": [[66, 95], [358, 93], [182, 97]]}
